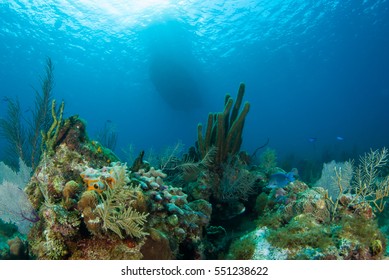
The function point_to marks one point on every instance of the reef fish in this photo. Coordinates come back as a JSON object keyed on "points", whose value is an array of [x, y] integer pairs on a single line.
{"points": [[280, 179]]}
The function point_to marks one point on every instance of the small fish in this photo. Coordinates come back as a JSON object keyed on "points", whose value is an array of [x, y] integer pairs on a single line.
{"points": [[312, 139], [109, 121], [235, 209], [280, 179], [339, 138]]}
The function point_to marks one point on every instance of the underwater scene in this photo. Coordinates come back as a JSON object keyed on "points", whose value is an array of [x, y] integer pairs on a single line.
{"points": [[194, 130]]}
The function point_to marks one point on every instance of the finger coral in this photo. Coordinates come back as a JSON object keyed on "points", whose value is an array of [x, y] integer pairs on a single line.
{"points": [[224, 129]]}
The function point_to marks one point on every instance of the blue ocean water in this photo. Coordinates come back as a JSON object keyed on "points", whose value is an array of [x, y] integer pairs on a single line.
{"points": [[316, 72]]}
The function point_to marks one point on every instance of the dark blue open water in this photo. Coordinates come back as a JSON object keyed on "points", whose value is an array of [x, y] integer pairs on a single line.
{"points": [[154, 69]]}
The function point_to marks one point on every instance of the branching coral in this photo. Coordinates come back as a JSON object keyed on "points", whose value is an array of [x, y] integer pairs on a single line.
{"points": [[365, 190], [12, 130], [116, 208], [367, 185], [268, 161], [237, 182], [118, 218], [41, 116], [25, 143]]}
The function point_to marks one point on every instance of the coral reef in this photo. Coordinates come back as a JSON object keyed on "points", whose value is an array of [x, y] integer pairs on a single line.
{"points": [[91, 206], [299, 226], [254, 246], [211, 204]]}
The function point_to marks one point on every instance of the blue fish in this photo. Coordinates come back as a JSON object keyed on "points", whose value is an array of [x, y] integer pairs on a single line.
{"points": [[280, 179], [312, 139], [339, 138]]}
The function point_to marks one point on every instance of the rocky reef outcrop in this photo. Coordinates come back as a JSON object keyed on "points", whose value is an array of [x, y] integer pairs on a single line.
{"points": [[91, 206]]}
